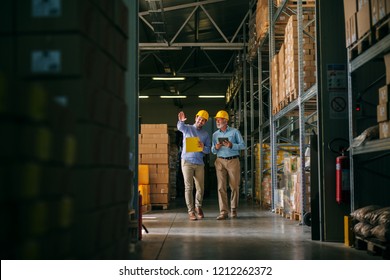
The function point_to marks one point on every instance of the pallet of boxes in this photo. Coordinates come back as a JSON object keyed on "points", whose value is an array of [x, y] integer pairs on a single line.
{"points": [[383, 108], [154, 151], [284, 64], [366, 23]]}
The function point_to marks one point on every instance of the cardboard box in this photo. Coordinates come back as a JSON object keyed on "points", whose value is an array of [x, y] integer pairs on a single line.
{"points": [[59, 55], [86, 101], [384, 130], [162, 169], [384, 94], [387, 64], [154, 128], [89, 144], [154, 158], [159, 188], [363, 20], [54, 16], [146, 148], [362, 3], [156, 178], [383, 111], [150, 138], [350, 30], [350, 8], [379, 10], [159, 198], [162, 148], [374, 12]]}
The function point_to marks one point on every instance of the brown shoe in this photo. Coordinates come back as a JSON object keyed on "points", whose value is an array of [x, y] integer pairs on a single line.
{"points": [[222, 217], [199, 212], [234, 214], [192, 216]]}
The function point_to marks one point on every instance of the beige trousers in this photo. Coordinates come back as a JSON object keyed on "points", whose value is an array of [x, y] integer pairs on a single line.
{"points": [[191, 173], [228, 171]]}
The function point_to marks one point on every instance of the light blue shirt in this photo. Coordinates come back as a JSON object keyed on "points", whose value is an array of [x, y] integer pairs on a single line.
{"points": [[192, 131], [234, 136]]}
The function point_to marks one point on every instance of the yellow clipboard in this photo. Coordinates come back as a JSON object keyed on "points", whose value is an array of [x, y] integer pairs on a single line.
{"points": [[192, 145]]}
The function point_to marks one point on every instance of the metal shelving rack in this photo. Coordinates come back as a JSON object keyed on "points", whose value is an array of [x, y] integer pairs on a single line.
{"points": [[379, 147], [267, 130], [297, 104]]}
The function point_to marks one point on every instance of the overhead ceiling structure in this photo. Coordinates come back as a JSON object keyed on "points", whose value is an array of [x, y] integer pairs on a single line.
{"points": [[198, 41]]}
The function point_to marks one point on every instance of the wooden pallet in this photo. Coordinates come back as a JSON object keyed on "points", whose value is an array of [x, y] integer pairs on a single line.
{"points": [[275, 110], [373, 246], [163, 206], [305, 4], [279, 211], [292, 95], [364, 43], [287, 215], [293, 3], [296, 216], [382, 28]]}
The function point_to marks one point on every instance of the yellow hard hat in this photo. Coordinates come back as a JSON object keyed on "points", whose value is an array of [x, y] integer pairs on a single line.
{"points": [[203, 114], [222, 114]]}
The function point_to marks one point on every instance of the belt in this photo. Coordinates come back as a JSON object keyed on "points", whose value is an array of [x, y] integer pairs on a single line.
{"points": [[228, 158]]}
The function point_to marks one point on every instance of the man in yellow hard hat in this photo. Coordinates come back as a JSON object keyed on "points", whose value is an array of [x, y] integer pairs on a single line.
{"points": [[192, 163], [227, 142]]}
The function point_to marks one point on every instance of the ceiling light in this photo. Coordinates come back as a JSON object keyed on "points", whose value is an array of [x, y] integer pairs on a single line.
{"points": [[211, 96], [169, 78], [173, 96], [143, 96]]}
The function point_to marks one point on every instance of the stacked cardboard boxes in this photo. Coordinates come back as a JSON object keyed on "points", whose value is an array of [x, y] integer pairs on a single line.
{"points": [[252, 38], [360, 18], [65, 150], [154, 151], [262, 19], [350, 9], [263, 183], [291, 57], [292, 186], [383, 108], [383, 112], [284, 65]]}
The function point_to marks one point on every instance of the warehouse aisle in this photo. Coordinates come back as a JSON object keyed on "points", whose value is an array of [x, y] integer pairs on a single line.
{"points": [[255, 234]]}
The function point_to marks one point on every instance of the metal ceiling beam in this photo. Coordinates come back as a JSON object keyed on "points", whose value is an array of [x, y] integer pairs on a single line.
{"points": [[184, 6], [178, 46], [221, 76], [196, 6]]}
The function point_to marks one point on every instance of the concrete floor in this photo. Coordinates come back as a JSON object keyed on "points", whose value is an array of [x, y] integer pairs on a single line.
{"points": [[255, 235]]}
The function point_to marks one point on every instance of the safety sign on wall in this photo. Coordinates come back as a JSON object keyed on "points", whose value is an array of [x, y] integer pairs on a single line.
{"points": [[337, 89]]}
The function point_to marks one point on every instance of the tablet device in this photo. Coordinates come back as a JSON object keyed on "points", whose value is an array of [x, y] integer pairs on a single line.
{"points": [[221, 139]]}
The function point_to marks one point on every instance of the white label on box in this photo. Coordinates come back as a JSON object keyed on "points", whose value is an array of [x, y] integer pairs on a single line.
{"points": [[46, 8], [61, 100], [46, 61]]}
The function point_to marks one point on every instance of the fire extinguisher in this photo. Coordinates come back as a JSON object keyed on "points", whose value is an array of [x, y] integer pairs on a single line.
{"points": [[342, 179], [343, 192]]}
